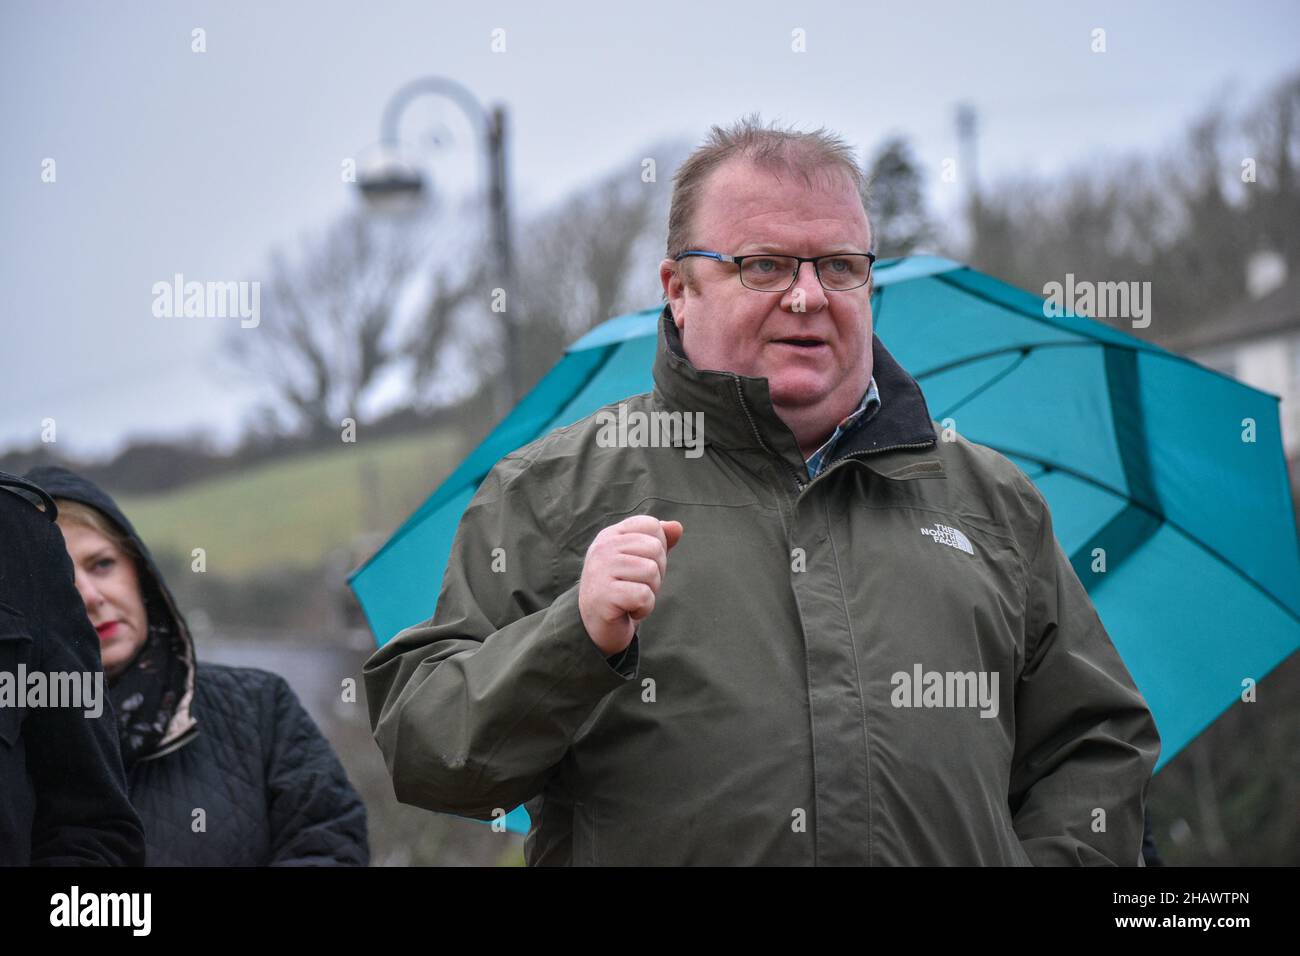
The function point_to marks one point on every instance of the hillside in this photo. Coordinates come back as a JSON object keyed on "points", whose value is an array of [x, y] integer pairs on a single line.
{"points": [[291, 513]]}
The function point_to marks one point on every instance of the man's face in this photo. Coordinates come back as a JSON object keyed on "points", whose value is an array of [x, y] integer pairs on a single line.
{"points": [[815, 359]]}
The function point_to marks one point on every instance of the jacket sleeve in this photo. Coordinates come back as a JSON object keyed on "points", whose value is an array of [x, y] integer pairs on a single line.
{"points": [[83, 813], [473, 707], [1086, 743], [316, 817]]}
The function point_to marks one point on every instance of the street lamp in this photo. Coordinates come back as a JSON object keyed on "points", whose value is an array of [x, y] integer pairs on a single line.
{"points": [[392, 182]]}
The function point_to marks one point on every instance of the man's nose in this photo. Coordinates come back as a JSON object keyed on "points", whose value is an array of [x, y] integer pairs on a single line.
{"points": [[807, 294]]}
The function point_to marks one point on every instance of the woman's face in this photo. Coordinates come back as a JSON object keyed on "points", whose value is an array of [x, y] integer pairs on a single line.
{"points": [[107, 580]]}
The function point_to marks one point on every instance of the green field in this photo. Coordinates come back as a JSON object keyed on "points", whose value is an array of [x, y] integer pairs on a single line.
{"points": [[291, 513]]}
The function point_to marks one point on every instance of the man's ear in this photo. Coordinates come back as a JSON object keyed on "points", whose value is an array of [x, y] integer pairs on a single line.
{"points": [[670, 276]]}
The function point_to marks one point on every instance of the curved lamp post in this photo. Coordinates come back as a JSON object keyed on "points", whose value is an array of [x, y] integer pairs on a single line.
{"points": [[394, 181]]}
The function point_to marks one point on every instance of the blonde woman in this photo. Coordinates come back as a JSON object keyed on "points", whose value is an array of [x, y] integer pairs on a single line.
{"points": [[224, 766]]}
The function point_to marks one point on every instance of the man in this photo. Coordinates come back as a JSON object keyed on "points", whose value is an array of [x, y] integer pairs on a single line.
{"points": [[63, 799], [831, 638]]}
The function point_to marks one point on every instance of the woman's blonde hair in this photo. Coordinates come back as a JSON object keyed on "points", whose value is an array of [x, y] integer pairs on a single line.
{"points": [[75, 513]]}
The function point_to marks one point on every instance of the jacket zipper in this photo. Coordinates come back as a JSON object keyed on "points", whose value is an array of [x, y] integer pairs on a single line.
{"points": [[799, 483], [864, 452]]}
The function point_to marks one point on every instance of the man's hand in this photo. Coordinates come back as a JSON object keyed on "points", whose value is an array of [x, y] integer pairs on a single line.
{"points": [[621, 576]]}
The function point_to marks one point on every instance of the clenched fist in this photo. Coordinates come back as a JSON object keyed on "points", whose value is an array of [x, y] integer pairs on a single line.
{"points": [[621, 576]]}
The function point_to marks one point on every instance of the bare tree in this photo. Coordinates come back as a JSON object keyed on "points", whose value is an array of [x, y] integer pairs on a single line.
{"points": [[320, 342], [1272, 132], [1167, 218], [594, 256], [1210, 254], [449, 297], [330, 325]]}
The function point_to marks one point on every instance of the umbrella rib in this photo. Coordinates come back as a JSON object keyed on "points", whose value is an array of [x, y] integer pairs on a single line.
{"points": [[1050, 466], [1036, 315], [1137, 345], [1024, 351]]}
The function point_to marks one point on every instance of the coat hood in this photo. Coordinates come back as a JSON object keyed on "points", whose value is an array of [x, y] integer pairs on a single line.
{"points": [[738, 410], [168, 688]]}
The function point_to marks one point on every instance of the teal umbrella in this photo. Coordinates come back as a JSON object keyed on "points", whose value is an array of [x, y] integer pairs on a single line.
{"points": [[1166, 480]]}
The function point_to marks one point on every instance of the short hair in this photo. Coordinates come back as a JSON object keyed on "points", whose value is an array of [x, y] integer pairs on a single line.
{"points": [[76, 513], [767, 147]]}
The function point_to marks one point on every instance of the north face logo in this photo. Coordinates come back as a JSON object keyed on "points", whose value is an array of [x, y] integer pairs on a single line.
{"points": [[949, 536]]}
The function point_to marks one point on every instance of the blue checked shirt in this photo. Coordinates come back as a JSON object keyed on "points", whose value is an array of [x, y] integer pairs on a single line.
{"points": [[869, 405]]}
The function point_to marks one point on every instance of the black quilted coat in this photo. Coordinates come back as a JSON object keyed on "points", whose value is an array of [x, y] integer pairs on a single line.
{"points": [[224, 766], [63, 799]]}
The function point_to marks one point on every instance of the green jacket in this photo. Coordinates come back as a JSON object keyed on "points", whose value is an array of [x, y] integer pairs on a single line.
{"points": [[808, 687]]}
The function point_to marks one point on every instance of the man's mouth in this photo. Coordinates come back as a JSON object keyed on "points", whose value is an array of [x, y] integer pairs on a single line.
{"points": [[801, 342]]}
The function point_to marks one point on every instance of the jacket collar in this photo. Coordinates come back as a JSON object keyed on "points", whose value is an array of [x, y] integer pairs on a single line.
{"points": [[738, 411]]}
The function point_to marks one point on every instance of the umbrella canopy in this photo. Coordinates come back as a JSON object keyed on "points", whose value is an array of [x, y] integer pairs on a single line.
{"points": [[1170, 473]]}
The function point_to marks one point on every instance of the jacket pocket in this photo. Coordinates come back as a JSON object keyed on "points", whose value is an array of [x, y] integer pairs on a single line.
{"points": [[15, 649], [584, 835]]}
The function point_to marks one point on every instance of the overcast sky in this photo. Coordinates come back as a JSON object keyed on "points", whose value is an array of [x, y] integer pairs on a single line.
{"points": [[171, 161]]}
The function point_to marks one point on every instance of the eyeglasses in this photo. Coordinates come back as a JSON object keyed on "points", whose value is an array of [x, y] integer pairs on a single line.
{"points": [[838, 272]]}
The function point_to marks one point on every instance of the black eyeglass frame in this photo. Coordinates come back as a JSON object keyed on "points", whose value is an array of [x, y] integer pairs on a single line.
{"points": [[794, 275]]}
